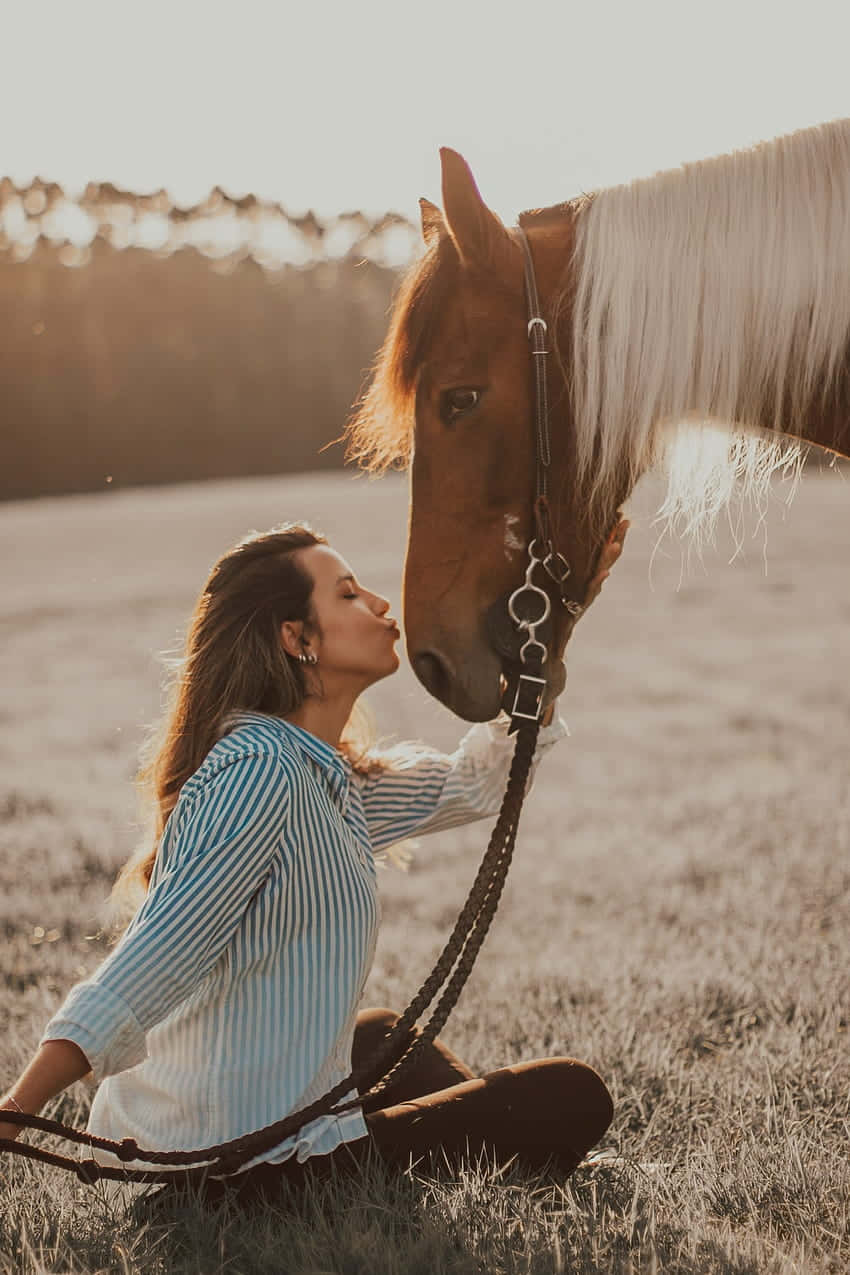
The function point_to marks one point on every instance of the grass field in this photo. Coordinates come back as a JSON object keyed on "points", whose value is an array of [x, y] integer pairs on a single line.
{"points": [[678, 912]]}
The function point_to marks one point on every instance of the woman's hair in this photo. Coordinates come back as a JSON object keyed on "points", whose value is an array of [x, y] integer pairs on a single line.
{"points": [[234, 660]]}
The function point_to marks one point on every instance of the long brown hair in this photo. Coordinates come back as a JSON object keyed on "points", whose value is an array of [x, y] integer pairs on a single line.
{"points": [[234, 660]]}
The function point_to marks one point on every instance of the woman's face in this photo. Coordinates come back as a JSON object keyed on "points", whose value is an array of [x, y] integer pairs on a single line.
{"points": [[357, 637]]}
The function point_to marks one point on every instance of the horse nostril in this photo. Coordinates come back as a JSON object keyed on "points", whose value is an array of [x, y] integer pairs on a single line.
{"points": [[434, 673]]}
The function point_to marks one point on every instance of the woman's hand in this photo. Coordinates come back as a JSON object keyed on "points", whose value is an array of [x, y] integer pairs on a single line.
{"points": [[611, 551], [55, 1065], [8, 1130]]}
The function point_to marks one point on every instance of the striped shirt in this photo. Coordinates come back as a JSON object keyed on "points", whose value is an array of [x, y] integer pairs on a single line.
{"points": [[231, 998]]}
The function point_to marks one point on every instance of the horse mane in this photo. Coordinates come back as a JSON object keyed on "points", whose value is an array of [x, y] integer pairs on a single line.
{"points": [[672, 363], [380, 433]]}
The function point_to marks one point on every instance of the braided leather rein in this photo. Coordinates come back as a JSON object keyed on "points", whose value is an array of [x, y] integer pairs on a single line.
{"points": [[397, 1052]]}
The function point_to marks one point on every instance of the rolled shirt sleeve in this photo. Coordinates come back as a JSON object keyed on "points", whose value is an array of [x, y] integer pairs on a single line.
{"points": [[427, 791], [210, 865]]}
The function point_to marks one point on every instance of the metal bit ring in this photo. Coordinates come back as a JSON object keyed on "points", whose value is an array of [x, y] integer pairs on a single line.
{"points": [[532, 641]]}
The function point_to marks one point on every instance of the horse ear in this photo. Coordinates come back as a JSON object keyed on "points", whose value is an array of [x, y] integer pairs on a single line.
{"points": [[477, 231], [433, 222]]}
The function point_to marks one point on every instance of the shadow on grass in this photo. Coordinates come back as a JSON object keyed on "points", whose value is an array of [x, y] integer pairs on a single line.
{"points": [[610, 1218], [420, 1223]]}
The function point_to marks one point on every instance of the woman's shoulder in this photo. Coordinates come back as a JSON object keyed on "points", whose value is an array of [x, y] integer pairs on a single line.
{"points": [[254, 745]]}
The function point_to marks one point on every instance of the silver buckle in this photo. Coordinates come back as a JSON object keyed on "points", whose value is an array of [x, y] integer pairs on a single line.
{"points": [[534, 692]]}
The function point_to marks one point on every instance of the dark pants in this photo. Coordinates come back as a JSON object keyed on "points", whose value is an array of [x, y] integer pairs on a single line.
{"points": [[547, 1114]]}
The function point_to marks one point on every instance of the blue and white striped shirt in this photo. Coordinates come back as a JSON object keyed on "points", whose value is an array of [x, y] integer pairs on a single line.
{"points": [[231, 998]]}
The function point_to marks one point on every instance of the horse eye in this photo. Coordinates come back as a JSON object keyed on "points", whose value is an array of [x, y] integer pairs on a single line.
{"points": [[455, 403]]}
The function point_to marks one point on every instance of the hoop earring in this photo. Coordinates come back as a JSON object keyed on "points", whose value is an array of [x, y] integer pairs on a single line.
{"points": [[309, 658]]}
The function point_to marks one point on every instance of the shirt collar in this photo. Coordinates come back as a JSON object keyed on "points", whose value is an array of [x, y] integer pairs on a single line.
{"points": [[334, 765]]}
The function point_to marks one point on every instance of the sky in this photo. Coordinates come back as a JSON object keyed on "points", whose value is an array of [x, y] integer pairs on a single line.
{"points": [[338, 106]]}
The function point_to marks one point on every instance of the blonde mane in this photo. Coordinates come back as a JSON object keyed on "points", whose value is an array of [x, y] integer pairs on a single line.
{"points": [[711, 304]]}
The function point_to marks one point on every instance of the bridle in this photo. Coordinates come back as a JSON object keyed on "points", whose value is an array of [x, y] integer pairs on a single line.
{"points": [[542, 551], [445, 982]]}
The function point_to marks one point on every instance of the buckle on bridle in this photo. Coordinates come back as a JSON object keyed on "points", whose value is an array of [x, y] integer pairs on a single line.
{"points": [[528, 698]]}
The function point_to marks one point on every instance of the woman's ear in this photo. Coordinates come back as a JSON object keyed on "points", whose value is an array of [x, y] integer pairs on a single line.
{"points": [[291, 635]]}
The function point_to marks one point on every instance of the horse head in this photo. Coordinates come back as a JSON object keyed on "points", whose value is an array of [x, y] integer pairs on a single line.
{"points": [[453, 396]]}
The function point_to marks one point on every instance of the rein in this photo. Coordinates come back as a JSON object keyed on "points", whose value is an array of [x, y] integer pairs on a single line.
{"points": [[396, 1053]]}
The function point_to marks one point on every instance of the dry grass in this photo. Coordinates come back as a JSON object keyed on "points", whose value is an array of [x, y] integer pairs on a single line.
{"points": [[678, 912]]}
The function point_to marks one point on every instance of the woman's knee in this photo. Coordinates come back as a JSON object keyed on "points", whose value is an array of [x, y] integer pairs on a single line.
{"points": [[569, 1091], [596, 1100], [376, 1019], [371, 1028], [583, 1091]]}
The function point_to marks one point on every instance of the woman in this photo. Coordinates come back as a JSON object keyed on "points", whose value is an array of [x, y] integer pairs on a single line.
{"points": [[231, 998]]}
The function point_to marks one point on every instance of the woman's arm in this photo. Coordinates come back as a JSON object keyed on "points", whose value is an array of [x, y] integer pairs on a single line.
{"points": [[55, 1065], [218, 858], [435, 791], [427, 791]]}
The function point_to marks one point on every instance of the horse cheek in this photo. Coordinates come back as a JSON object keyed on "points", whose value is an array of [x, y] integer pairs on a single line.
{"points": [[504, 482]]}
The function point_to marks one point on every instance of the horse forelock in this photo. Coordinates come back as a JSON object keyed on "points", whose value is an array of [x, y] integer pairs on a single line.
{"points": [[380, 432]]}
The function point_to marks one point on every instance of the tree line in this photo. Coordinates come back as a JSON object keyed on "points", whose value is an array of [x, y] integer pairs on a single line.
{"points": [[123, 364]]}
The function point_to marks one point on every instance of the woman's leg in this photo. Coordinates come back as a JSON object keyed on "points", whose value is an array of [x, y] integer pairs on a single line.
{"points": [[547, 1114], [435, 1068]]}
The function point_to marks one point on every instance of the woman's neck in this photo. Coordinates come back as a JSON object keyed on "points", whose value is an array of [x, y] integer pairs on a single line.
{"points": [[325, 719]]}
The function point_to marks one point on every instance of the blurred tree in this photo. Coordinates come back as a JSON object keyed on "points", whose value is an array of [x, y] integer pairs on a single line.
{"points": [[134, 366]]}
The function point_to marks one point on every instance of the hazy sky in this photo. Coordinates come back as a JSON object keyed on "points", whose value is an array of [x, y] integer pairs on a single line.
{"points": [[344, 105]]}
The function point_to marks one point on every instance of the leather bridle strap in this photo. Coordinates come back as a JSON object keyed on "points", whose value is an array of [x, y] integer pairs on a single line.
{"points": [[538, 332], [529, 606], [554, 563]]}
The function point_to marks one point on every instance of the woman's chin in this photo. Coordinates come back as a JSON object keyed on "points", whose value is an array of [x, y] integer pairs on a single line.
{"points": [[387, 667]]}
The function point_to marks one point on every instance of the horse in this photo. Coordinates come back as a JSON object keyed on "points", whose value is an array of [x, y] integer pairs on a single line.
{"points": [[699, 318]]}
